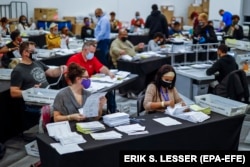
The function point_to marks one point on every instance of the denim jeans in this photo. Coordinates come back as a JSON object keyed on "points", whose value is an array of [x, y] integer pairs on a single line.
{"points": [[103, 49], [111, 103]]}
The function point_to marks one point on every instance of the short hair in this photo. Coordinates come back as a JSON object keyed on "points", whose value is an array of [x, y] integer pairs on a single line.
{"points": [[112, 13], [210, 21], [24, 46], [158, 34], [88, 44], [14, 34], [223, 48], [4, 20], [221, 10], [176, 23], [235, 17], [154, 7], [163, 70], [85, 18], [74, 70], [204, 16]]}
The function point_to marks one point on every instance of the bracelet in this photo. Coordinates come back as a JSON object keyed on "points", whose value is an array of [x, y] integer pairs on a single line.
{"points": [[162, 104]]}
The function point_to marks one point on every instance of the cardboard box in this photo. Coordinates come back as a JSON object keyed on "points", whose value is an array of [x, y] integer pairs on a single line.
{"points": [[168, 12], [77, 28], [192, 8], [72, 19], [45, 13], [179, 19], [205, 6]]}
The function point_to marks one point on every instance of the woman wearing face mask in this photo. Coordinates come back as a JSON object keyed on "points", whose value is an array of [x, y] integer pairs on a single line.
{"points": [[162, 92], [4, 27], [53, 39], [10, 51], [24, 25], [156, 43], [234, 31], [204, 33], [72, 98]]}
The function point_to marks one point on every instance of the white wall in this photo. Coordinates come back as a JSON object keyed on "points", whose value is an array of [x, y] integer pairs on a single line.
{"points": [[125, 9]]}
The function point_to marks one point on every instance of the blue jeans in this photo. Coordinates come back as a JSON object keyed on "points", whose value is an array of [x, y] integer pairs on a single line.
{"points": [[111, 103], [103, 49]]}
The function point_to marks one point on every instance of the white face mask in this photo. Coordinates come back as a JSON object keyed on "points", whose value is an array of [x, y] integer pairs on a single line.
{"points": [[90, 56]]}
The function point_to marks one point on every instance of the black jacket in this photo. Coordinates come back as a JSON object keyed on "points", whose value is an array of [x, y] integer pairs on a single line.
{"points": [[224, 66], [157, 22], [207, 32], [237, 34]]}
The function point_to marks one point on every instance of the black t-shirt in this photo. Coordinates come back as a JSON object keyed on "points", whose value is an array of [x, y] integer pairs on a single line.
{"points": [[87, 32], [26, 76], [6, 59]]}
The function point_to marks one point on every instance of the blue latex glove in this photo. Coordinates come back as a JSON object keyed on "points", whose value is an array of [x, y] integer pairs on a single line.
{"points": [[202, 40]]}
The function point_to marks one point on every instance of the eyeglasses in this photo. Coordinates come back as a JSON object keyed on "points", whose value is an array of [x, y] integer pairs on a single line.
{"points": [[85, 77]]}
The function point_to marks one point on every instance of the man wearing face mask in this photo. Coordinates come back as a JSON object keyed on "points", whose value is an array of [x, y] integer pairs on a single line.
{"points": [[224, 65], [161, 93], [204, 33], [122, 46], [226, 18], [10, 51], [87, 32], [234, 31], [102, 35], [53, 39], [137, 22], [28, 74], [157, 43], [87, 60]]}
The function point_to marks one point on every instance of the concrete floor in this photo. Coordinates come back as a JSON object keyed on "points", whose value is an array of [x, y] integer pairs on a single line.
{"points": [[16, 155]]}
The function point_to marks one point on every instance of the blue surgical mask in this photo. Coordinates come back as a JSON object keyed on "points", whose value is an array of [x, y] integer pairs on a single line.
{"points": [[137, 17], [90, 56]]}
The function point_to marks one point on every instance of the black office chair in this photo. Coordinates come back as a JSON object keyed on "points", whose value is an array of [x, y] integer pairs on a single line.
{"points": [[140, 100], [234, 86]]}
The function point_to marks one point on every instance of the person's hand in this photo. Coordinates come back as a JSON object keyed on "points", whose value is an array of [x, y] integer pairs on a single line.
{"points": [[102, 101], [111, 75], [77, 117], [37, 85], [122, 52], [170, 103], [141, 45], [64, 68]]}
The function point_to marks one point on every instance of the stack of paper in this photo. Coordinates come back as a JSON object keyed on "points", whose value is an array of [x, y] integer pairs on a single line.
{"points": [[133, 129], [89, 127], [116, 119], [106, 135], [122, 74], [195, 107]]}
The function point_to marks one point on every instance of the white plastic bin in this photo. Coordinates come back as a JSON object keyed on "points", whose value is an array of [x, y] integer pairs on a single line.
{"points": [[221, 105], [40, 95], [200, 89]]}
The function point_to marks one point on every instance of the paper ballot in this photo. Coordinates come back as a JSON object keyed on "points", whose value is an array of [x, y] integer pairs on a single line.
{"points": [[91, 106], [179, 112]]}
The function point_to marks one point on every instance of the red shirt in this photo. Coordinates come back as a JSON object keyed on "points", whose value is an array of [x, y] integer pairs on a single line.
{"points": [[92, 66], [137, 23]]}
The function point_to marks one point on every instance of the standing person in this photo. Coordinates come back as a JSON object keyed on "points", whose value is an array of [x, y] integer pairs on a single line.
{"points": [[137, 22], [87, 60], [87, 32], [226, 18], [102, 35], [156, 22]]}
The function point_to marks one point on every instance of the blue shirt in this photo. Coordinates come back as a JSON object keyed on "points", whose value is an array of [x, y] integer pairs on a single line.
{"points": [[102, 29], [227, 18]]}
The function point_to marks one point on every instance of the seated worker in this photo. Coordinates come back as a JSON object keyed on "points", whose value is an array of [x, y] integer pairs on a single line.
{"points": [[87, 60], [234, 31], [211, 23], [162, 93], [86, 31], [224, 65], [137, 22], [155, 44], [175, 30], [115, 24], [65, 34], [24, 24], [204, 33], [4, 27], [122, 46], [28, 74], [74, 96], [10, 51], [53, 39]]}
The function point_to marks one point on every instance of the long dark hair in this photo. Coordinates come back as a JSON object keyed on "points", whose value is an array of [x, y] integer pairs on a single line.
{"points": [[163, 70]]}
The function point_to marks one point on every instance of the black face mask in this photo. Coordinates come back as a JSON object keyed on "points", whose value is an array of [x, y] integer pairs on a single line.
{"points": [[124, 38], [33, 56], [165, 84]]}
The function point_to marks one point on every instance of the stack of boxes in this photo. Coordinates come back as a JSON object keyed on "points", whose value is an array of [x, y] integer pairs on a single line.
{"points": [[168, 12], [45, 14], [199, 6]]}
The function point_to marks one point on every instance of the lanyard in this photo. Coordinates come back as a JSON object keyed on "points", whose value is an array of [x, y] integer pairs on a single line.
{"points": [[165, 95]]}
